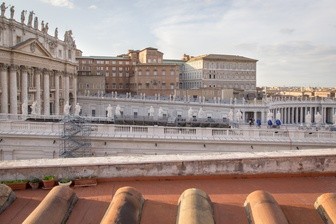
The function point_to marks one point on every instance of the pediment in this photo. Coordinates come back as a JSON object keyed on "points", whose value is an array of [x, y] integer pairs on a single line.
{"points": [[32, 46]]}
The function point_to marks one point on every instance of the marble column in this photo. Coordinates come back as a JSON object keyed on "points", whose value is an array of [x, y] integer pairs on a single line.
{"points": [[13, 89], [301, 115], [74, 89], [4, 88], [24, 89], [57, 92], [66, 88], [38, 90], [285, 114], [46, 93]]}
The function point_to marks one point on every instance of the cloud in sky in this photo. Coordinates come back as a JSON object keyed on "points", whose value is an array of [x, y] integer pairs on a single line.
{"points": [[60, 3], [294, 41], [92, 7]]}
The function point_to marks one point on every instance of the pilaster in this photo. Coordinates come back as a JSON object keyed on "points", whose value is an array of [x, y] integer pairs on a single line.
{"points": [[46, 93], [4, 88], [13, 103]]}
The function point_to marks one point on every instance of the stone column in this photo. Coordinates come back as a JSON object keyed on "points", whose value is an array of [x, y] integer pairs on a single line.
{"points": [[301, 114], [285, 116], [66, 88], [46, 93], [38, 90], [13, 89], [4, 88], [57, 92], [255, 116], [74, 88], [24, 89]]}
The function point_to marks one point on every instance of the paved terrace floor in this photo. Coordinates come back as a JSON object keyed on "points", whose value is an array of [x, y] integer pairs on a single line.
{"points": [[295, 195]]}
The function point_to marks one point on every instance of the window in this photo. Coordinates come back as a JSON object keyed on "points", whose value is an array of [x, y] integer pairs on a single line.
{"points": [[139, 73], [147, 72], [114, 68], [172, 72], [69, 54], [120, 85], [163, 72], [120, 68], [18, 39], [60, 53], [114, 74], [120, 62], [155, 72], [120, 74], [113, 62], [113, 85]]}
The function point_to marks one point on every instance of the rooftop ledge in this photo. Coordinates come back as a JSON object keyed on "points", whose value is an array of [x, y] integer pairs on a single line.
{"points": [[319, 161]]}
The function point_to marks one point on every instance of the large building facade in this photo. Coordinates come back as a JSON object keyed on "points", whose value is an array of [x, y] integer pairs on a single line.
{"points": [[36, 68], [219, 72], [146, 72], [138, 72]]}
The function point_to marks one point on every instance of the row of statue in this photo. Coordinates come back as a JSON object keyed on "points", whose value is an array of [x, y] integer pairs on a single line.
{"points": [[44, 27], [238, 117]]}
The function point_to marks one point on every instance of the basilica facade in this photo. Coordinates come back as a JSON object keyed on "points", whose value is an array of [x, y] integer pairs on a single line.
{"points": [[38, 71]]}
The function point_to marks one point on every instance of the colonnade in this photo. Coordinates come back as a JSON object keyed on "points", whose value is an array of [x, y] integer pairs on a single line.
{"points": [[297, 114], [21, 86]]}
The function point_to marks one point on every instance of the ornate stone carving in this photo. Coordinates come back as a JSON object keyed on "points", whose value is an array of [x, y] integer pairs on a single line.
{"points": [[4, 67], [53, 44], [68, 39], [36, 23], [33, 47]]}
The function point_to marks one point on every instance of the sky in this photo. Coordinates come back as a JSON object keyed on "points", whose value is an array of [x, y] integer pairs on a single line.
{"points": [[294, 41]]}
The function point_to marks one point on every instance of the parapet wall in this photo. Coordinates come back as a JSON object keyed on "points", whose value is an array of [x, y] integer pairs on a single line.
{"points": [[319, 162]]}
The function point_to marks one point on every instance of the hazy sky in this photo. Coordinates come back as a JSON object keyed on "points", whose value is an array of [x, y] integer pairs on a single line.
{"points": [[294, 40]]}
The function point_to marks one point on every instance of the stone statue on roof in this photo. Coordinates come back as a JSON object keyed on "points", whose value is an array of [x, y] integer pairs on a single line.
{"points": [[42, 26], [46, 28], [77, 109], [23, 16], [36, 23], [117, 111], [230, 115], [308, 118], [68, 39], [151, 111], [160, 113], [201, 113], [56, 32], [239, 116], [30, 19], [66, 109], [3, 9], [190, 113], [12, 10], [109, 111]]}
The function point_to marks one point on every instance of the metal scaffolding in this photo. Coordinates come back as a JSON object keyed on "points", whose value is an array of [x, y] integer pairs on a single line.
{"points": [[76, 141]]}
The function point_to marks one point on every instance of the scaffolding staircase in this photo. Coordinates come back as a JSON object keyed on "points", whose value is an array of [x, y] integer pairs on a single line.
{"points": [[75, 137]]}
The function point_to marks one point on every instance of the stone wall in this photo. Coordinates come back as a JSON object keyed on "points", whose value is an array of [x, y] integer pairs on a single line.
{"points": [[307, 162]]}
